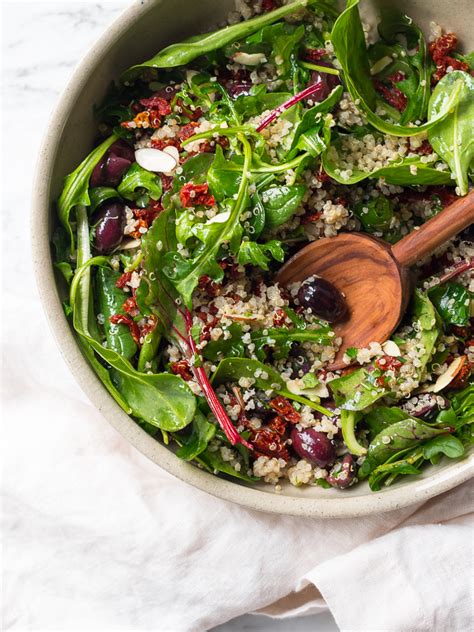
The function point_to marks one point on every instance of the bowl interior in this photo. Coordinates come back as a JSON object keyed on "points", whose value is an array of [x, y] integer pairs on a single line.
{"points": [[141, 31]]}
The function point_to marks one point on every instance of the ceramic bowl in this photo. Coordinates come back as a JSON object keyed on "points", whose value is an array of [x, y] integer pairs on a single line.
{"points": [[144, 28]]}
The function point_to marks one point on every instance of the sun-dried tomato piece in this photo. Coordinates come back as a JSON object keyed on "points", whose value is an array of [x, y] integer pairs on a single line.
{"points": [[192, 115], [279, 318], [130, 306], [314, 54], [149, 326], [166, 182], [322, 176], [188, 130], [278, 425], [425, 149], [268, 5], [148, 214], [210, 287], [157, 103], [462, 377], [196, 195], [268, 443], [310, 218], [439, 50], [392, 94], [231, 268], [144, 120], [141, 227], [285, 409], [182, 369], [388, 363], [162, 143], [121, 319], [123, 280]]}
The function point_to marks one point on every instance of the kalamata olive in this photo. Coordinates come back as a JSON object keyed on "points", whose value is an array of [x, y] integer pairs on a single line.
{"points": [[108, 222], [323, 299], [343, 473], [113, 164], [425, 405], [313, 446]]}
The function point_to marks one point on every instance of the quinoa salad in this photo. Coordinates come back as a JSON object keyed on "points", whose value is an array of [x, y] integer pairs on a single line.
{"points": [[217, 160]]}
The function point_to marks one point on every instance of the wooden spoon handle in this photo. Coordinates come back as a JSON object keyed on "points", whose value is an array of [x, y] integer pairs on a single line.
{"points": [[435, 232]]}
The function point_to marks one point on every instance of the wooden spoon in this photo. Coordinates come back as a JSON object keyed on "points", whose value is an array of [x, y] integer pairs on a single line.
{"points": [[372, 274]]}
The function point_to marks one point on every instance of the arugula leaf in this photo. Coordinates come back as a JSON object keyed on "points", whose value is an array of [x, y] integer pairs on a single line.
{"points": [[463, 405], [448, 445], [138, 178], [313, 116], [183, 272], [348, 40], [194, 444], [452, 138], [280, 340], [76, 186], [98, 195], [224, 348], [279, 43], [255, 254], [452, 303]]}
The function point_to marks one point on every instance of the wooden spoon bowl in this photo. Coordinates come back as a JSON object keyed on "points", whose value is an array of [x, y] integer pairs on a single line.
{"points": [[374, 276]]}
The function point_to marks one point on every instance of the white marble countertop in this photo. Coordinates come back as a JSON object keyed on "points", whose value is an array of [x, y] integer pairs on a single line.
{"points": [[42, 42]]}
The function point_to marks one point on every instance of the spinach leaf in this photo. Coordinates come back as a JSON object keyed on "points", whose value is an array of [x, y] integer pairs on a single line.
{"points": [[278, 42], [452, 303], [138, 178], [389, 471], [256, 254], [110, 300], [183, 53], [448, 445], [224, 175], [375, 214], [162, 400], [280, 203], [452, 138], [76, 186], [348, 40], [280, 340], [194, 444], [402, 171]]}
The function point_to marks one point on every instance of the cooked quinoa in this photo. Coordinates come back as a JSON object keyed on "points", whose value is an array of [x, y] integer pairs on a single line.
{"points": [[212, 173]]}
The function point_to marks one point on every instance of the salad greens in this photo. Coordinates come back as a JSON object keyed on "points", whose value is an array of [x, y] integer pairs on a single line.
{"points": [[282, 129]]}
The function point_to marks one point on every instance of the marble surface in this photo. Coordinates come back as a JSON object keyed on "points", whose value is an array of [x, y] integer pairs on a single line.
{"points": [[41, 44]]}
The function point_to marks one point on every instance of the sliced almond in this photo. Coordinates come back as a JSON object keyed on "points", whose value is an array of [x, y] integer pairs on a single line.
{"points": [[391, 348], [129, 244], [172, 151], [220, 218], [155, 160], [249, 59], [448, 376], [315, 392]]}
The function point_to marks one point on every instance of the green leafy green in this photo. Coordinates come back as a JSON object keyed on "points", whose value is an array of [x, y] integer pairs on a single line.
{"points": [[184, 52], [448, 445], [138, 178], [452, 138], [348, 40], [202, 431], [76, 186], [452, 303], [280, 203], [98, 195], [110, 301], [381, 417], [256, 254]]}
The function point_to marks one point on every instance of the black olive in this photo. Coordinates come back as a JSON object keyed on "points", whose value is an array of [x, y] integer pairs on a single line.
{"points": [[323, 299], [109, 223]]}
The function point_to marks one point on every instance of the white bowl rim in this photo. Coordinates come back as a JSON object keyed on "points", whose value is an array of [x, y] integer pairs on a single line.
{"points": [[343, 505]]}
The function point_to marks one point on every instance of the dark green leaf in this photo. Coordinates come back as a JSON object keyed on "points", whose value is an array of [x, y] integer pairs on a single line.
{"points": [[280, 203], [138, 178], [452, 139], [194, 444], [452, 303], [445, 444]]}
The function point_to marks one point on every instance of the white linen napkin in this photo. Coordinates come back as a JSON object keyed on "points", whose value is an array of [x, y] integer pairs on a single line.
{"points": [[97, 537]]}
